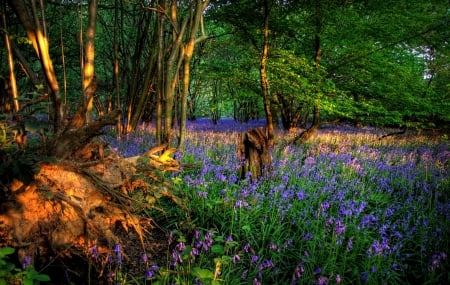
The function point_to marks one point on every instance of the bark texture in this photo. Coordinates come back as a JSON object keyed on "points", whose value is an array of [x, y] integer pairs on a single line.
{"points": [[254, 153]]}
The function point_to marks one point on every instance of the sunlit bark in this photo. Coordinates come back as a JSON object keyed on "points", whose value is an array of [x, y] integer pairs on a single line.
{"points": [[12, 75], [263, 73], [160, 77], [36, 35], [116, 78], [89, 58], [196, 20]]}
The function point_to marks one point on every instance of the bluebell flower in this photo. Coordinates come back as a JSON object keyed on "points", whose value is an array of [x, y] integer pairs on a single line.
{"points": [[364, 277], [26, 262], [94, 251], [256, 281], [194, 252], [308, 236], [247, 248], [322, 280], [298, 273]]}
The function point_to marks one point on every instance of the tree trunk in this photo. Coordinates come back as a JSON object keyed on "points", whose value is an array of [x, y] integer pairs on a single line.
{"points": [[64, 146], [312, 130], [37, 36], [89, 57], [160, 77], [263, 74], [9, 52], [196, 20], [254, 153]]}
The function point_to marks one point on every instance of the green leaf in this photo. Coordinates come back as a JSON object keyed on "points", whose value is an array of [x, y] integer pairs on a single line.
{"points": [[217, 248], [4, 251], [202, 274], [42, 277], [246, 228]]}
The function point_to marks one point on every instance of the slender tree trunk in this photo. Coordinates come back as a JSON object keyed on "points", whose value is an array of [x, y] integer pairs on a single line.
{"points": [[263, 73], [188, 51], [40, 44], [160, 77], [116, 71], [136, 72], [172, 68], [9, 52], [312, 130], [89, 53]]}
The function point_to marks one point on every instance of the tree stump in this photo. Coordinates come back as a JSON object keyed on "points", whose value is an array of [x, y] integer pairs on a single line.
{"points": [[254, 153]]}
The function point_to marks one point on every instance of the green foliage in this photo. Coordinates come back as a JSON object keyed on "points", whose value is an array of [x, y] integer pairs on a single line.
{"points": [[9, 274]]}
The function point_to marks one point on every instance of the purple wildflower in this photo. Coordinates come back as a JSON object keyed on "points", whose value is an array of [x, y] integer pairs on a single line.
{"points": [[298, 273], [256, 281], [26, 262], [322, 280], [202, 194], [171, 238], [151, 271], [339, 227], [379, 248], [194, 252], [94, 251], [266, 264], [350, 244], [325, 206], [181, 246], [364, 277], [176, 258], [436, 261], [308, 236], [247, 247]]}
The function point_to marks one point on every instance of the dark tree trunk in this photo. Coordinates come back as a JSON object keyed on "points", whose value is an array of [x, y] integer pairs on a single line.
{"points": [[312, 130], [254, 153], [76, 139]]}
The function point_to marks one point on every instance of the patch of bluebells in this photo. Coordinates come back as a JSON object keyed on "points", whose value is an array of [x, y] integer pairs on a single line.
{"points": [[370, 195]]}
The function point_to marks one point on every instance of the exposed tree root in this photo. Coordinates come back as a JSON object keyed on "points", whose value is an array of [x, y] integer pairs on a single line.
{"points": [[66, 207]]}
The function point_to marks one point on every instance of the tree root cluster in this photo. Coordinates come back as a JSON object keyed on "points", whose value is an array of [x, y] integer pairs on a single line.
{"points": [[68, 207]]}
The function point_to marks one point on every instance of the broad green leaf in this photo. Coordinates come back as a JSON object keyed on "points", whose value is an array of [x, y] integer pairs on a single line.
{"points": [[217, 248], [4, 251], [201, 273]]}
